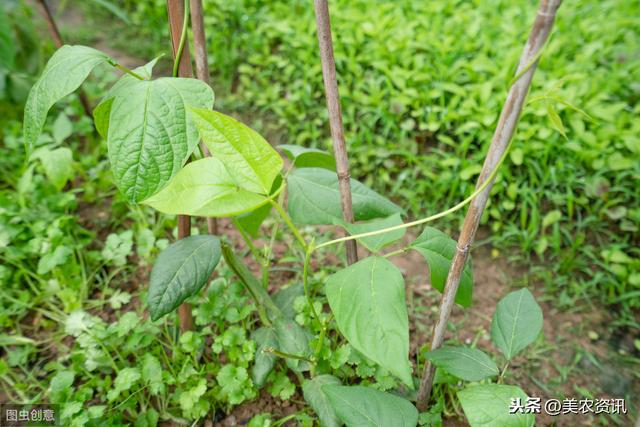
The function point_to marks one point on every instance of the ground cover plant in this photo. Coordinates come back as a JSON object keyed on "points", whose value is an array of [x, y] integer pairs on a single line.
{"points": [[305, 341]]}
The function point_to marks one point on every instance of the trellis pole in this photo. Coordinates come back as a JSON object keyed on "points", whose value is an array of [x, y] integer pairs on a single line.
{"points": [[176, 11], [323, 24], [504, 132], [202, 71], [57, 39]]}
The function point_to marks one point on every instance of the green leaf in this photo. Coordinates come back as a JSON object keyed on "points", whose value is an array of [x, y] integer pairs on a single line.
{"points": [[152, 373], [125, 379], [314, 198], [248, 157], [469, 364], [303, 157], [7, 43], [180, 271], [293, 339], [62, 128], [265, 338], [150, 136], [102, 111], [285, 298], [318, 400], [205, 188], [60, 387], [379, 241], [555, 119], [516, 323], [53, 259], [378, 324], [251, 221], [438, 250], [551, 218], [487, 405], [57, 164], [359, 406], [64, 73]]}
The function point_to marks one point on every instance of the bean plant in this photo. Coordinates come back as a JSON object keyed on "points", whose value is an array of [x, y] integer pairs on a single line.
{"points": [[153, 126]]}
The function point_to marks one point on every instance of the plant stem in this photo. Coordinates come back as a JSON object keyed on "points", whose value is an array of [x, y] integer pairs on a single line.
{"points": [[183, 39], [126, 70], [287, 355], [325, 43], [499, 146], [287, 219], [305, 282], [478, 190]]}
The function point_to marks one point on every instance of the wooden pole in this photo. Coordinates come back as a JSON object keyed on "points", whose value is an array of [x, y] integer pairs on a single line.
{"points": [[57, 39], [323, 24], [175, 9], [202, 71], [503, 134]]}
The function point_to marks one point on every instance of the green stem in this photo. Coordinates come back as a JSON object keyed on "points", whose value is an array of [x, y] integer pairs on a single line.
{"points": [[183, 39], [284, 355], [289, 222], [126, 70], [460, 205], [394, 253], [305, 282]]}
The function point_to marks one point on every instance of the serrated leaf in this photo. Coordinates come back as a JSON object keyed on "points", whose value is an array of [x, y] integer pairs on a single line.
{"points": [[438, 250], [251, 221], [469, 364], [359, 406], [57, 164], [152, 373], [285, 298], [293, 339], [378, 324], [265, 338], [180, 271], [379, 241], [314, 198], [303, 157], [150, 136], [516, 323], [66, 70], [318, 400], [205, 188], [487, 405], [249, 158]]}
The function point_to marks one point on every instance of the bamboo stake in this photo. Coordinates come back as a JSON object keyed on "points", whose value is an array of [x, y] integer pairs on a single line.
{"points": [[323, 24], [175, 10], [57, 39], [503, 134], [202, 71]]}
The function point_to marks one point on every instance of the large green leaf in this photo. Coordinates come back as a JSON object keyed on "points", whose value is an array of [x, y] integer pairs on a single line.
{"points": [[293, 339], [438, 249], [150, 136], [265, 337], [318, 400], [102, 111], [516, 323], [469, 364], [359, 406], [314, 198], [487, 405], [379, 241], [368, 301], [303, 157], [248, 157], [64, 73], [180, 271], [205, 188]]}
